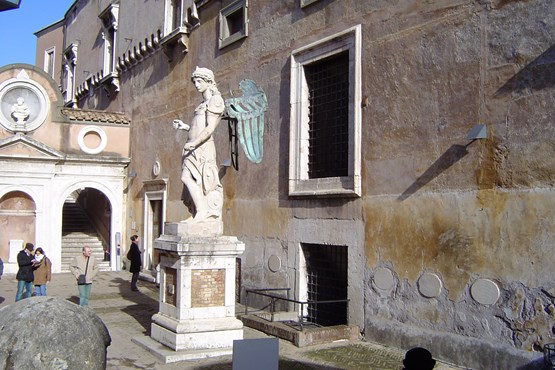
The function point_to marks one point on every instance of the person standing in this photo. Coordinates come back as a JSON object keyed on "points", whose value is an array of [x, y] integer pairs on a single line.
{"points": [[25, 273], [84, 268], [134, 256], [43, 272]]}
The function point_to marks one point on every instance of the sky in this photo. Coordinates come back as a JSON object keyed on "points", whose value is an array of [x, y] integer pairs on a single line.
{"points": [[17, 28]]}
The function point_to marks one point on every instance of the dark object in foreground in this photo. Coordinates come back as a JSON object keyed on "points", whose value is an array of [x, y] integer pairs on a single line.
{"points": [[51, 333]]}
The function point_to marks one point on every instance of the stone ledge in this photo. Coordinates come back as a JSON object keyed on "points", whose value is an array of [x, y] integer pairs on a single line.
{"points": [[457, 349], [306, 337], [167, 355]]}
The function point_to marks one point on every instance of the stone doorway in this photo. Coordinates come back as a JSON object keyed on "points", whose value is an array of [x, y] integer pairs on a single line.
{"points": [[325, 274], [17, 224], [86, 220]]}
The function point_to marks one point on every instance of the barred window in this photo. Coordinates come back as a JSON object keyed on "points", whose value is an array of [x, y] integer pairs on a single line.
{"points": [[325, 119], [328, 85]]}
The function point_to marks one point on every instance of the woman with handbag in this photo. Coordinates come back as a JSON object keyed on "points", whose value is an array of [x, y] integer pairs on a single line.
{"points": [[84, 268], [43, 272]]}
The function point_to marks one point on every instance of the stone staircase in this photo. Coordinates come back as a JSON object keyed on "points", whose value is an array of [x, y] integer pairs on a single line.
{"points": [[77, 232]]}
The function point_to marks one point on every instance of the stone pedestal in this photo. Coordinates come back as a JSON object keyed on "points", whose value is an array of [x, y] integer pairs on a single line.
{"points": [[197, 293]]}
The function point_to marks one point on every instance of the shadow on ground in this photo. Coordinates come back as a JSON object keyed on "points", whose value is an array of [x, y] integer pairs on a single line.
{"points": [[284, 364], [144, 305]]}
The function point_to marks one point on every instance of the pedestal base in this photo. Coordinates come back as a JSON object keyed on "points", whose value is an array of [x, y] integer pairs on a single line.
{"points": [[167, 355], [196, 317], [196, 334]]}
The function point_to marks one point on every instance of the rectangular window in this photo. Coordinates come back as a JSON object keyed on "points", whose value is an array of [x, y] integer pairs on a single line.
{"points": [[325, 131], [325, 272], [233, 23], [328, 88], [177, 14], [109, 19], [70, 62], [49, 61]]}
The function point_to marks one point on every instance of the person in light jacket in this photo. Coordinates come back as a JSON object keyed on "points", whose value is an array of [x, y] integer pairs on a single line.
{"points": [[84, 265], [43, 272]]}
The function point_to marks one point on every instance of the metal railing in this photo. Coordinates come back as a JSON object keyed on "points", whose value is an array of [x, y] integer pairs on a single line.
{"points": [[274, 298]]}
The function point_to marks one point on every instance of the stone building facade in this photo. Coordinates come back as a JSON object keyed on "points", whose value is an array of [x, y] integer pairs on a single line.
{"points": [[48, 154], [436, 238]]}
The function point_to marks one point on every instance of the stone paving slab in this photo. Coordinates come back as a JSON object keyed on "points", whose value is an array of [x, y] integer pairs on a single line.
{"points": [[127, 315]]}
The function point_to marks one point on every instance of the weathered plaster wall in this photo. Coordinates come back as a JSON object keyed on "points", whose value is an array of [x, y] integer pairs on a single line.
{"points": [[433, 203]]}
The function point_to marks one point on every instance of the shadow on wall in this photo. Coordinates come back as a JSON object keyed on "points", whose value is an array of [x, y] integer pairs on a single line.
{"points": [[451, 156], [537, 75]]}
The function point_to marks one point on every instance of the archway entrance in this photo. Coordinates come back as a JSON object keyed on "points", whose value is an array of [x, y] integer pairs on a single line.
{"points": [[17, 224], [86, 222]]}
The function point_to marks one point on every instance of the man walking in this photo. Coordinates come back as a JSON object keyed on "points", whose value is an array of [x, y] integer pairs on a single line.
{"points": [[25, 274], [84, 268]]}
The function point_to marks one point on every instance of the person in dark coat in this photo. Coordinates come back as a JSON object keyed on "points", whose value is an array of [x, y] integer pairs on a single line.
{"points": [[134, 256], [25, 274]]}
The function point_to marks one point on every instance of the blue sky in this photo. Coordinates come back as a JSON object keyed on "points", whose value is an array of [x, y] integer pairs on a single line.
{"points": [[17, 28]]}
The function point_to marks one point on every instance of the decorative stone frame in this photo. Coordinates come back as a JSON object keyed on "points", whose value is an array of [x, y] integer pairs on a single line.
{"points": [[49, 61], [177, 35], [81, 139], [299, 182], [35, 97], [70, 63], [109, 17], [227, 38]]}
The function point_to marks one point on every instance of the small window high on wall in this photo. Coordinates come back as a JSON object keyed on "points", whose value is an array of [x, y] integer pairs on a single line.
{"points": [[325, 131], [49, 61], [233, 23]]}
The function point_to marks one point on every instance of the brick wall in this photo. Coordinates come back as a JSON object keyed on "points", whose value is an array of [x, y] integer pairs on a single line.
{"points": [[208, 288]]}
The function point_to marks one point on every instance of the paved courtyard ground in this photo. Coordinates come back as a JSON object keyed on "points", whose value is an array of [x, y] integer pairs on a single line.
{"points": [[127, 315]]}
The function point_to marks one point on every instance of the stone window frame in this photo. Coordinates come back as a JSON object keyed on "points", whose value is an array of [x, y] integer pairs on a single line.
{"points": [[226, 38], [49, 61], [109, 18], [299, 182], [70, 64]]}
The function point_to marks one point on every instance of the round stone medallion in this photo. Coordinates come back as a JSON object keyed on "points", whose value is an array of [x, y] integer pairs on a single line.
{"points": [[24, 104], [429, 285], [485, 291], [274, 263], [156, 168], [383, 278]]}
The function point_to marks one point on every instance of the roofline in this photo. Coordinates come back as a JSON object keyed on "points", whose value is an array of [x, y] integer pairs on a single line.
{"points": [[36, 33]]}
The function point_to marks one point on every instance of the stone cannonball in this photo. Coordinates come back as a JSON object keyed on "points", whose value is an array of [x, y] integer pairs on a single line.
{"points": [[51, 333]]}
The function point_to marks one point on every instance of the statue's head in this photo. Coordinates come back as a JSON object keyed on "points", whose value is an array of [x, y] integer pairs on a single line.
{"points": [[204, 73]]}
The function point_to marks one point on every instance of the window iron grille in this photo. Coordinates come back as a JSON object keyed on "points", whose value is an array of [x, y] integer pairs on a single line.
{"points": [[328, 85], [326, 280]]}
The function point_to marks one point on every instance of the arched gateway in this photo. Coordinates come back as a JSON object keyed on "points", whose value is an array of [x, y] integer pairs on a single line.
{"points": [[55, 161]]}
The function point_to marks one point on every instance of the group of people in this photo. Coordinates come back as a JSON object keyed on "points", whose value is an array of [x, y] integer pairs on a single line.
{"points": [[35, 270]]}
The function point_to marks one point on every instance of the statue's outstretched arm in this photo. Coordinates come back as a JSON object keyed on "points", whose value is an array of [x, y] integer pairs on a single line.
{"points": [[180, 125]]}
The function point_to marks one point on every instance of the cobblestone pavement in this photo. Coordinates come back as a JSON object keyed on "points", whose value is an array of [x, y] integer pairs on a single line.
{"points": [[127, 315]]}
